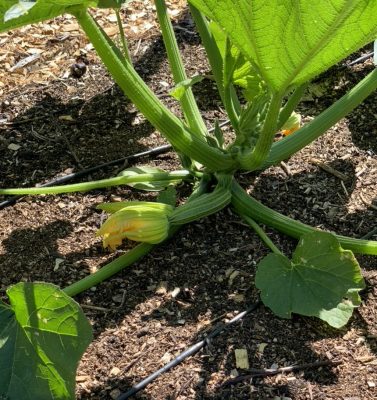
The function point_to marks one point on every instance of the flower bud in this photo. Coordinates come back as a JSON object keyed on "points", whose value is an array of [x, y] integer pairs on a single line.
{"points": [[293, 124], [144, 222]]}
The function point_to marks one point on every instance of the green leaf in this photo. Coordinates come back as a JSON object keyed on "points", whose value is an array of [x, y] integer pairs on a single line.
{"points": [[320, 275], [43, 335], [18, 10], [151, 186], [14, 14], [168, 196], [340, 315], [181, 88], [112, 3], [244, 74], [292, 41]]}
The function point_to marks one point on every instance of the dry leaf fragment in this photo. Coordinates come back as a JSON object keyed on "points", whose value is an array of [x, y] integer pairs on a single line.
{"points": [[242, 360], [162, 288], [166, 358], [25, 61], [14, 146], [111, 30], [115, 371], [70, 27], [67, 118], [261, 347], [82, 378]]}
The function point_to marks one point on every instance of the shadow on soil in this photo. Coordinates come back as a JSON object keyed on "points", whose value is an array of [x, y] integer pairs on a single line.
{"points": [[56, 135], [363, 125]]}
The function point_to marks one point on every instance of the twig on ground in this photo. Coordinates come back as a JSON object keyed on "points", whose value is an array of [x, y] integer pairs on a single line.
{"points": [[89, 307], [367, 203], [370, 234], [71, 150], [134, 361], [182, 387], [329, 169], [285, 168], [6, 125], [269, 372], [344, 189]]}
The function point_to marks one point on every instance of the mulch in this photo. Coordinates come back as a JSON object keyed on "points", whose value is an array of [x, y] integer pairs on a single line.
{"points": [[52, 124]]}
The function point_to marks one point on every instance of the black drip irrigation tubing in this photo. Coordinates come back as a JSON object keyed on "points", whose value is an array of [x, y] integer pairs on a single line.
{"points": [[66, 178], [187, 353], [85, 172]]}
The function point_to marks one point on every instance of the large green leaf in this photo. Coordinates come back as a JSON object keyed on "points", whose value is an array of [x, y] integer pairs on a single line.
{"points": [[243, 73], [293, 41], [316, 281], [43, 335], [14, 13]]}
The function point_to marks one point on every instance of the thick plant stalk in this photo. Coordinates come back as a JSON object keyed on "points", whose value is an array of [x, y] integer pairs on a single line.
{"points": [[147, 102], [284, 148], [189, 106], [102, 183], [252, 160], [247, 205]]}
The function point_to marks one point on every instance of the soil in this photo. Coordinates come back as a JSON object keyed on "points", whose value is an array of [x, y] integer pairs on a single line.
{"points": [[149, 313]]}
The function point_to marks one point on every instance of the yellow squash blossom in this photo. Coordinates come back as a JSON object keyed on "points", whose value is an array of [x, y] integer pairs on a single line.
{"points": [[144, 222], [293, 124]]}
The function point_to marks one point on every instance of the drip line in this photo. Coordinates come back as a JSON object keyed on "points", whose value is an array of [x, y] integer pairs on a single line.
{"points": [[76, 175]]}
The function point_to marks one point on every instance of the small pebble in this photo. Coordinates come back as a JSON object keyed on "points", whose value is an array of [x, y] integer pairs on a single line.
{"points": [[115, 393], [115, 371]]}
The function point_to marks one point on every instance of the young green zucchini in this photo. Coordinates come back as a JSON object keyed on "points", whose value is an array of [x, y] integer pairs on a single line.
{"points": [[202, 206]]}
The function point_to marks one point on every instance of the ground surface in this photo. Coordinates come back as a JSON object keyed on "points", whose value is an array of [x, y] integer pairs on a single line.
{"points": [[52, 124]]}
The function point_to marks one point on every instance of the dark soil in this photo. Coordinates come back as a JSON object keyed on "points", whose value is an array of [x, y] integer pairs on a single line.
{"points": [[138, 324]]}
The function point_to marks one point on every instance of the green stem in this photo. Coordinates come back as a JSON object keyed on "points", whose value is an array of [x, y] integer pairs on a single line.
{"points": [[214, 57], [284, 148], [253, 160], [209, 43], [246, 205], [147, 102], [230, 108], [102, 183], [190, 108], [290, 105], [122, 37], [262, 234], [229, 65], [109, 270]]}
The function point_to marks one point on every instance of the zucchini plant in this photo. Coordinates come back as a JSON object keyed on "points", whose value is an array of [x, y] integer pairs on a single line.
{"points": [[262, 54]]}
